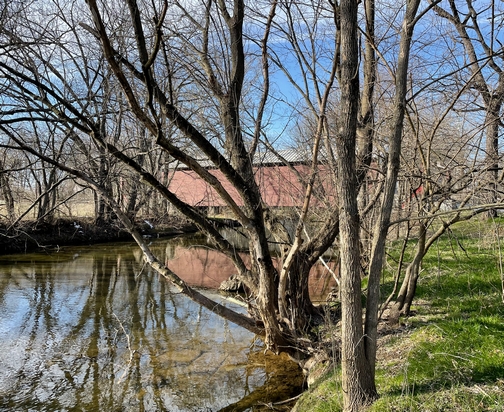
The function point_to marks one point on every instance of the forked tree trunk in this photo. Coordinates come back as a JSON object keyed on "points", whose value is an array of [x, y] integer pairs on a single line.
{"points": [[407, 291], [48, 196], [299, 311]]}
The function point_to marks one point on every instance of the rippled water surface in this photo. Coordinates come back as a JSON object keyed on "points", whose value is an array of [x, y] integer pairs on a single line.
{"points": [[94, 329]]}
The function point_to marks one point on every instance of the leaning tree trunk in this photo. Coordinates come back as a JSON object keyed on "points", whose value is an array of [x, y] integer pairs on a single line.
{"points": [[492, 123], [383, 218]]}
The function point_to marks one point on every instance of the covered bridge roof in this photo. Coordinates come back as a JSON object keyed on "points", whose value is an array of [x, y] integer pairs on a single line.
{"points": [[269, 158]]}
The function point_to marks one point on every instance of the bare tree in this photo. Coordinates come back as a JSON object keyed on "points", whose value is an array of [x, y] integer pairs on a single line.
{"points": [[478, 28], [446, 152]]}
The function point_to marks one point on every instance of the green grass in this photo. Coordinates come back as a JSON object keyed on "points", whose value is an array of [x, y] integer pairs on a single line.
{"points": [[324, 396], [449, 355]]}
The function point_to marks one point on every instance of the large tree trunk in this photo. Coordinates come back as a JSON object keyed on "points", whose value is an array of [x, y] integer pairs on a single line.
{"points": [[300, 313], [358, 384]]}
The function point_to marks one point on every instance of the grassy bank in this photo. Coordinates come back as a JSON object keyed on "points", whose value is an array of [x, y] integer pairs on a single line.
{"points": [[449, 355]]}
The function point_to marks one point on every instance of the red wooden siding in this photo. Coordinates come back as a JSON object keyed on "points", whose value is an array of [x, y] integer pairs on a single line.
{"points": [[279, 186]]}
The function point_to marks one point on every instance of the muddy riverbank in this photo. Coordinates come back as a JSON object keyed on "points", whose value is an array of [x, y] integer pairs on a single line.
{"points": [[34, 236]]}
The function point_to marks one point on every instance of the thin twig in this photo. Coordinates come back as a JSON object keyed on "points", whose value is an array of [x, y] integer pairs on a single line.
{"points": [[128, 343]]}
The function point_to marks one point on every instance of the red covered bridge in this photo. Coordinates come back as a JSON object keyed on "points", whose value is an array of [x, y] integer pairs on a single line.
{"points": [[280, 185]]}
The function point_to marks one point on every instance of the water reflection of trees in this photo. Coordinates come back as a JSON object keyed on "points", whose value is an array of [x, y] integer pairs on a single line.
{"points": [[101, 332]]}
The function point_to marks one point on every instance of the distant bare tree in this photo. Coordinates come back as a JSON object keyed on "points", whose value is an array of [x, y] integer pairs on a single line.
{"points": [[478, 26], [5, 187]]}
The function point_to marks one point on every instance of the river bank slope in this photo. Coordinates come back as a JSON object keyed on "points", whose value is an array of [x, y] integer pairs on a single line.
{"points": [[31, 236]]}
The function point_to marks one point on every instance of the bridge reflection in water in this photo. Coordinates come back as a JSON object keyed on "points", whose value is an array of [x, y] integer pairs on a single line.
{"points": [[199, 265]]}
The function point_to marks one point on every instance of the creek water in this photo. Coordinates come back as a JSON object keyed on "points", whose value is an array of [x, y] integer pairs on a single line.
{"points": [[94, 329]]}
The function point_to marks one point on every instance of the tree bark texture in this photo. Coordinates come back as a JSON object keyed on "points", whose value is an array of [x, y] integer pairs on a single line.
{"points": [[382, 223], [358, 384]]}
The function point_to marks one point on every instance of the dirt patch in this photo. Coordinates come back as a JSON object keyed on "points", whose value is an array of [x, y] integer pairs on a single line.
{"points": [[33, 236]]}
